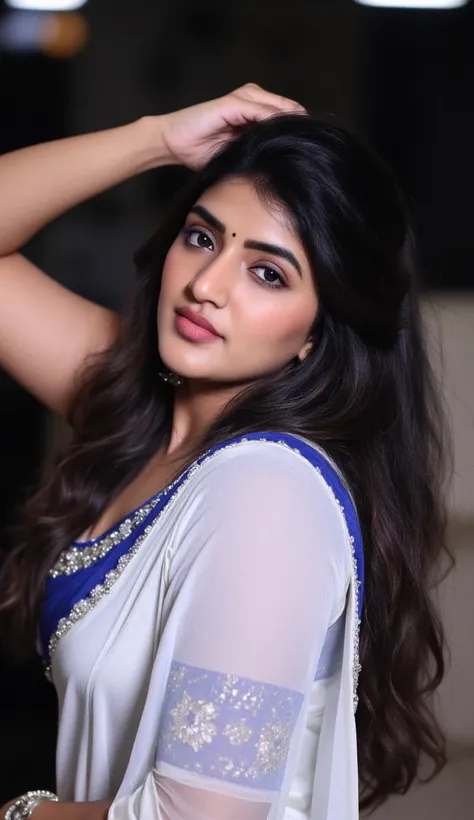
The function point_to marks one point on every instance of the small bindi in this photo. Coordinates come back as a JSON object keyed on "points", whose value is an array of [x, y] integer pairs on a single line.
{"points": [[234, 234]]}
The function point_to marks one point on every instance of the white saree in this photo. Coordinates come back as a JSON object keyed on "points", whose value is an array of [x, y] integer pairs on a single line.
{"points": [[216, 678]]}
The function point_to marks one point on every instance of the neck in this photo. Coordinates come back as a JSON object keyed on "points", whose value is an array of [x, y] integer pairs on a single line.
{"points": [[196, 406]]}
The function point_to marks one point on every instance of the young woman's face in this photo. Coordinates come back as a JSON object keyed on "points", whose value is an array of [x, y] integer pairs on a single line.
{"points": [[241, 267]]}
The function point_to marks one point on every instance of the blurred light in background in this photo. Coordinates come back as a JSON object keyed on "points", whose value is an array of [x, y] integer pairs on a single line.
{"points": [[60, 36], [46, 5], [415, 4]]}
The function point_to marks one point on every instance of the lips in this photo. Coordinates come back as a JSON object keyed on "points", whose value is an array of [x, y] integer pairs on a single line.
{"points": [[197, 319]]}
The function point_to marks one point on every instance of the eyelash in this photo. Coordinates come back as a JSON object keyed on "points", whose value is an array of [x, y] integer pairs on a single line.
{"points": [[188, 231]]}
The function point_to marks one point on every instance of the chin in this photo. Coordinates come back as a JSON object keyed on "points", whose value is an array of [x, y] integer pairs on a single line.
{"points": [[186, 363], [187, 370]]}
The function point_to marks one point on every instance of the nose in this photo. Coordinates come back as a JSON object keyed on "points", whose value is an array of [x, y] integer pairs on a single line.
{"points": [[213, 282]]}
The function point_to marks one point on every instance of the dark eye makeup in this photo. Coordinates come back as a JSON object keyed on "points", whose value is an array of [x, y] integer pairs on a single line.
{"points": [[202, 239]]}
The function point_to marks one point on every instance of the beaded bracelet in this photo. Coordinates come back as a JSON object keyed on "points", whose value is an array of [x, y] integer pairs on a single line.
{"points": [[27, 803]]}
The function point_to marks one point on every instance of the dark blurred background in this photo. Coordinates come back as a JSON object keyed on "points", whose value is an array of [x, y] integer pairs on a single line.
{"points": [[401, 78]]}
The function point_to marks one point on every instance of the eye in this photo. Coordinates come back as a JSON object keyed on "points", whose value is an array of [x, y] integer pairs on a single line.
{"points": [[198, 238], [269, 277]]}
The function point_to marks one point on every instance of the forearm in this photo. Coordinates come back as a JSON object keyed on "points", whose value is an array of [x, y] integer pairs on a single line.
{"points": [[72, 811], [38, 184]]}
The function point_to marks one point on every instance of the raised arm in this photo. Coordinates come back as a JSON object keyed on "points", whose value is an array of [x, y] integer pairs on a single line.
{"points": [[47, 332]]}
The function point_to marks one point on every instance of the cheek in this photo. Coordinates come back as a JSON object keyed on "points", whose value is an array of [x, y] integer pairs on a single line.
{"points": [[281, 323], [169, 270], [171, 280]]}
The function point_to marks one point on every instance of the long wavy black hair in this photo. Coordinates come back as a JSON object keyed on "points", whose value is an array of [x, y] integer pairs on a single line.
{"points": [[365, 393]]}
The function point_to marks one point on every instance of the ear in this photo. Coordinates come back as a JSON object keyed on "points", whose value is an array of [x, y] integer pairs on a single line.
{"points": [[307, 347]]}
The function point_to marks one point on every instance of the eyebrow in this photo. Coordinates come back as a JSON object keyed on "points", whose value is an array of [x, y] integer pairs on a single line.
{"points": [[275, 250], [251, 244], [200, 210]]}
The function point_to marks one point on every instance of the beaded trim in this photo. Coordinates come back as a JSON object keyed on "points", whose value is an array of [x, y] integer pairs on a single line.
{"points": [[81, 608], [75, 558], [84, 606], [356, 666], [88, 603]]}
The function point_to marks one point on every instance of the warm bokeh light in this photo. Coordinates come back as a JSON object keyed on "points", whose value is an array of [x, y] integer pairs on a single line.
{"points": [[60, 36], [64, 35]]}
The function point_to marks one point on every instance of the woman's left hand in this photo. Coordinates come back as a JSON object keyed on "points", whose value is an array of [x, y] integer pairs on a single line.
{"points": [[193, 134]]}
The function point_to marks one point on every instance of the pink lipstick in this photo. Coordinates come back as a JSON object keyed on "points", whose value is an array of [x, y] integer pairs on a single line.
{"points": [[194, 327]]}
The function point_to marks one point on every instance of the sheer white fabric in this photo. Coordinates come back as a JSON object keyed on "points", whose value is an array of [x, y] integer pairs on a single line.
{"points": [[191, 691]]}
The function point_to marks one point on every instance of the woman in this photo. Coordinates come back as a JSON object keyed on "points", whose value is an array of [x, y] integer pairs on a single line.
{"points": [[193, 565]]}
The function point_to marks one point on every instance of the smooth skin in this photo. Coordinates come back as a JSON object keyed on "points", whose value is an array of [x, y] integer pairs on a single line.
{"points": [[261, 303], [47, 333]]}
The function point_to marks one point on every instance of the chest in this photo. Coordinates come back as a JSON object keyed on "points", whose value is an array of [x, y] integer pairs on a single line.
{"points": [[157, 475], [111, 650]]}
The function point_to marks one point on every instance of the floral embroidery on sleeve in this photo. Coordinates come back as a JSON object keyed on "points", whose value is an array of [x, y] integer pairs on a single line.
{"points": [[227, 727]]}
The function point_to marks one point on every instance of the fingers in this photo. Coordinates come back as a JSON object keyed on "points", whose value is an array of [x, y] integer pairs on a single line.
{"points": [[243, 111], [253, 92]]}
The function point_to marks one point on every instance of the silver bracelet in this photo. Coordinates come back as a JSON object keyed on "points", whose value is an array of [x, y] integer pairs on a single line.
{"points": [[27, 803]]}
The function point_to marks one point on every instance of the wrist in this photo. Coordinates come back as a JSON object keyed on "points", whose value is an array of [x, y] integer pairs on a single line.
{"points": [[149, 135]]}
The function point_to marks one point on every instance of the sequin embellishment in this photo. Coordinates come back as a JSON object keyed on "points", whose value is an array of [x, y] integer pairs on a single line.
{"points": [[227, 727], [79, 557], [194, 722], [86, 604]]}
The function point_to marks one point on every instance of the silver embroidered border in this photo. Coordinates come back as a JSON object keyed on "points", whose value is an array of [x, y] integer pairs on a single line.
{"points": [[81, 608], [75, 558], [356, 667]]}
